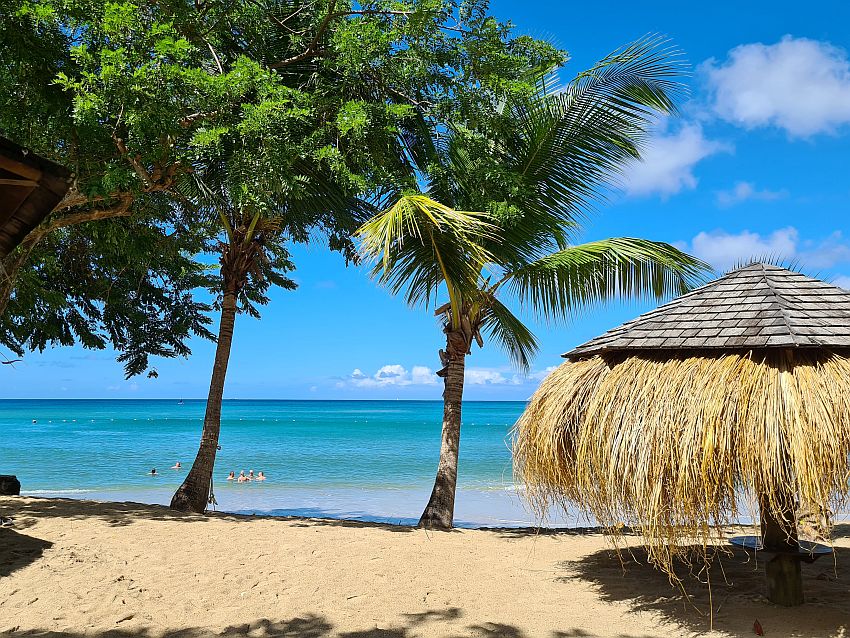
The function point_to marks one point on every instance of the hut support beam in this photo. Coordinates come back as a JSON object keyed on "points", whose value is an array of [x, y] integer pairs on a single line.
{"points": [[783, 571]]}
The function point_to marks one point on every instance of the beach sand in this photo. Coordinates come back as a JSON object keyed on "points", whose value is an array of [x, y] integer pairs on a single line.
{"points": [[81, 568]]}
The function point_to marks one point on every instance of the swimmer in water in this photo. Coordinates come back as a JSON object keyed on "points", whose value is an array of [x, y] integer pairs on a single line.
{"points": [[260, 476], [231, 476], [251, 476], [153, 471], [176, 466], [242, 478]]}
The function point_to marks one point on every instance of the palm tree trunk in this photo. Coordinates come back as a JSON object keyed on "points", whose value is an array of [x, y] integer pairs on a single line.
{"points": [[193, 494], [439, 513]]}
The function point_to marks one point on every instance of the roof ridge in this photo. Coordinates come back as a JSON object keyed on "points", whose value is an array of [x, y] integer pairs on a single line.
{"points": [[782, 310]]}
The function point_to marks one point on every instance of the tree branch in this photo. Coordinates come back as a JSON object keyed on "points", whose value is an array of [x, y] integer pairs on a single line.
{"points": [[12, 265], [135, 162], [122, 209], [310, 51]]}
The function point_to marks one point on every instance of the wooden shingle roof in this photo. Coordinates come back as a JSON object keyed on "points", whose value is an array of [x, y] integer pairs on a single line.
{"points": [[758, 306], [30, 188]]}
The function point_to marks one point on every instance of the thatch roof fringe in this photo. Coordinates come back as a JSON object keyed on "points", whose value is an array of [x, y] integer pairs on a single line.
{"points": [[669, 444]]}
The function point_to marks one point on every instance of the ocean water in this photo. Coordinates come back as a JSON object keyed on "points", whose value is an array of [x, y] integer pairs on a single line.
{"points": [[368, 460]]}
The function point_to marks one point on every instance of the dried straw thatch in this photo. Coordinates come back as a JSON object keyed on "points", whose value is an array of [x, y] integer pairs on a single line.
{"points": [[677, 442]]}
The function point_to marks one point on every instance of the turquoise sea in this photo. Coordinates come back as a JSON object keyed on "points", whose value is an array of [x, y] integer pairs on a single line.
{"points": [[370, 460]]}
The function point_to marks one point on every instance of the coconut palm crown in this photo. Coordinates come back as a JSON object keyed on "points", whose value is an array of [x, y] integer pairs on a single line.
{"points": [[501, 209]]}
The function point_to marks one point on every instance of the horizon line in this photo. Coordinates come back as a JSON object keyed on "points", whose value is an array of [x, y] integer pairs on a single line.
{"points": [[256, 399]]}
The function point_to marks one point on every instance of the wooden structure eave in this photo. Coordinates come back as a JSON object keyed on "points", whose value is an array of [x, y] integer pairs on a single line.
{"points": [[30, 188]]}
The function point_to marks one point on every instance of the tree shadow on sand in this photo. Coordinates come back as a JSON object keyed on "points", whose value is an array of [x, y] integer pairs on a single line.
{"points": [[736, 594], [317, 626], [18, 550], [27, 510]]}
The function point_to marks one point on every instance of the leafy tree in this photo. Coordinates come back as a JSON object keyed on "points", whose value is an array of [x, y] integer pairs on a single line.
{"points": [[340, 101], [498, 219], [107, 267], [259, 122], [129, 283]]}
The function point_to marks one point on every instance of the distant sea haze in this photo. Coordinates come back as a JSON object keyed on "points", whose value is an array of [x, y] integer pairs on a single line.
{"points": [[370, 460]]}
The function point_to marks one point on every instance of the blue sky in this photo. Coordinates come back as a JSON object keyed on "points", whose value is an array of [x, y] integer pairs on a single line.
{"points": [[756, 164]]}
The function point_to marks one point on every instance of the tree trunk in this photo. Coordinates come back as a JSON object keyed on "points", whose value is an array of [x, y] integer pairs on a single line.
{"points": [[193, 494], [439, 513]]}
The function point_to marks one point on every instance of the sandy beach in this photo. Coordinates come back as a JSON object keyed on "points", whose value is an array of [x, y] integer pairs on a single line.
{"points": [[82, 568]]}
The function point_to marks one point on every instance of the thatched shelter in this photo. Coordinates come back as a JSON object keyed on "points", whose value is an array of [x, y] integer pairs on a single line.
{"points": [[30, 188], [733, 397]]}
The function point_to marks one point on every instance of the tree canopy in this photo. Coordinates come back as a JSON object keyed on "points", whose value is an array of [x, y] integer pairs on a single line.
{"points": [[166, 109]]}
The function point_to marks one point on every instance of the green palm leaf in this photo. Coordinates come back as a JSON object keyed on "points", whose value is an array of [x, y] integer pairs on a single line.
{"points": [[569, 148], [418, 244], [510, 333], [557, 285]]}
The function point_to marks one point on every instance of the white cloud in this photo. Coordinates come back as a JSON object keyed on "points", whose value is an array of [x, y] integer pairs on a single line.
{"points": [[483, 376], [542, 374], [423, 375], [800, 85], [667, 164], [723, 249], [391, 375], [397, 375], [743, 191], [825, 254]]}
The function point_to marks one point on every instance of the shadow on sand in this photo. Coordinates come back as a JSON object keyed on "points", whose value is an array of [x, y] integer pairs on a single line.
{"points": [[736, 593], [26, 511], [18, 550], [317, 626]]}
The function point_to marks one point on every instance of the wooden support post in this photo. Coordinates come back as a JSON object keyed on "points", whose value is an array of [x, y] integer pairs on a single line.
{"points": [[784, 577], [784, 580]]}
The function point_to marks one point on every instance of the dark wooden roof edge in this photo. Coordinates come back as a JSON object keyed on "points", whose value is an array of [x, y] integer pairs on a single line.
{"points": [[27, 157], [706, 352], [31, 186]]}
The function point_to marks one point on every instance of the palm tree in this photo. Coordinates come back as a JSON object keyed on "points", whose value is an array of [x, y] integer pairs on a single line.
{"points": [[530, 175], [255, 225]]}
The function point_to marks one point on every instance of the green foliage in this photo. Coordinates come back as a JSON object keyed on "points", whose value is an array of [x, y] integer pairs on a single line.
{"points": [[129, 283], [534, 169], [291, 112]]}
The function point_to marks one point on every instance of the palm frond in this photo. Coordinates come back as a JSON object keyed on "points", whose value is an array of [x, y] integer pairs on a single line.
{"points": [[559, 284], [418, 244], [506, 329], [568, 148]]}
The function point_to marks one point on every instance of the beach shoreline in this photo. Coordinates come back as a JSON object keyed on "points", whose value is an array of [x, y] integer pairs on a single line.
{"points": [[73, 568]]}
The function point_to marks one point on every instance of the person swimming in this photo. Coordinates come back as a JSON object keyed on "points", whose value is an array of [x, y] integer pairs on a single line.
{"points": [[153, 471], [242, 478], [260, 476], [251, 476], [176, 466], [231, 476]]}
